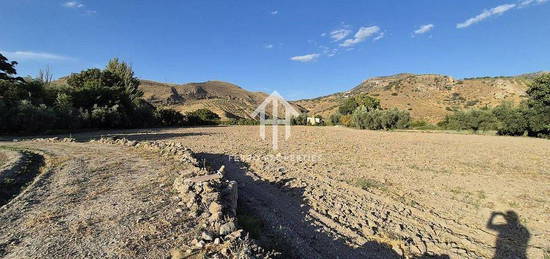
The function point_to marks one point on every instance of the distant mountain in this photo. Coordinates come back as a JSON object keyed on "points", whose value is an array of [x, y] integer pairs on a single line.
{"points": [[225, 99], [429, 97]]}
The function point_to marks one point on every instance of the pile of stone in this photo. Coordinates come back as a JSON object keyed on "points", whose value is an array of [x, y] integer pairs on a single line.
{"points": [[174, 149], [55, 139], [208, 197]]}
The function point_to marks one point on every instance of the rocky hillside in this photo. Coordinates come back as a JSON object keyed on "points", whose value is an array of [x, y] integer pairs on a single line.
{"points": [[225, 99], [429, 97]]}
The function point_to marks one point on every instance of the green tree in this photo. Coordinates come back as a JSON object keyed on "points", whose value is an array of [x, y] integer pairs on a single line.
{"points": [[7, 70], [539, 91], [205, 115], [127, 77], [350, 104]]}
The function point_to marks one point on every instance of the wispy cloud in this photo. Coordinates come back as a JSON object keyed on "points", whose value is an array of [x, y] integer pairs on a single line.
{"points": [[274, 12], [31, 55], [268, 46], [362, 34], [73, 4], [486, 14], [424, 28], [306, 58], [530, 2], [339, 34], [379, 37]]}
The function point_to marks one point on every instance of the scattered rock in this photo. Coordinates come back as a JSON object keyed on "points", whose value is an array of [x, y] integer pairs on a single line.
{"points": [[227, 228], [206, 237]]}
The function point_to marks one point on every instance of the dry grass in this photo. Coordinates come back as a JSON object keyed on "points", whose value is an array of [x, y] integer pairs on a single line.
{"points": [[3, 159]]}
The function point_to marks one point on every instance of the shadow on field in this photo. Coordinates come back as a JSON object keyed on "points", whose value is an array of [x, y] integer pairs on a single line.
{"points": [[512, 237], [277, 217], [139, 136]]}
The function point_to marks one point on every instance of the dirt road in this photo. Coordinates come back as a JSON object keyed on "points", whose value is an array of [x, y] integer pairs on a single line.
{"points": [[95, 200]]}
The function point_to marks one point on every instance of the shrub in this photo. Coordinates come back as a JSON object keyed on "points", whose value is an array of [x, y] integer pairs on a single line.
{"points": [[352, 103], [299, 120], [205, 115], [334, 119], [512, 121], [346, 120], [474, 120], [169, 117], [380, 119]]}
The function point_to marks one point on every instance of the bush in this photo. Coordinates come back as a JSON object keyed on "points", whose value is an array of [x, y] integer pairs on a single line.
{"points": [[380, 119], [169, 117], [512, 121], [346, 120], [334, 119], [352, 103], [299, 120], [205, 115], [474, 120]]}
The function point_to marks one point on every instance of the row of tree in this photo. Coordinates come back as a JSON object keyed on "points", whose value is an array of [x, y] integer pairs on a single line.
{"points": [[364, 112], [531, 117], [106, 98]]}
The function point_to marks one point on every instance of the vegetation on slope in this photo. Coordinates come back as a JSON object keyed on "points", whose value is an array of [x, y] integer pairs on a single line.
{"points": [[364, 112], [94, 98], [531, 117]]}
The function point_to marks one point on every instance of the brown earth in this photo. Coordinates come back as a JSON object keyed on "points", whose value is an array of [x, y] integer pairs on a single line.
{"points": [[227, 100], [326, 192], [95, 200], [429, 97], [331, 191]]}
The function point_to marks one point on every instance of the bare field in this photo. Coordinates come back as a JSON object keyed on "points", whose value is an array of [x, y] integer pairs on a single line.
{"points": [[327, 192], [342, 192]]}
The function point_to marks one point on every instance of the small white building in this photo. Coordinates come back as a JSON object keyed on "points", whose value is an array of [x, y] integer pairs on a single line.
{"points": [[313, 120]]}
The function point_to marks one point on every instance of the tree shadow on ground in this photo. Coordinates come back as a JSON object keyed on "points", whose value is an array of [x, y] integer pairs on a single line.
{"points": [[512, 237], [138, 135], [290, 230], [131, 134]]}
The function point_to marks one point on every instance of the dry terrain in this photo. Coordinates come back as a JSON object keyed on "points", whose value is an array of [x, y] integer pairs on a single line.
{"points": [[95, 200], [331, 191], [327, 192], [428, 97]]}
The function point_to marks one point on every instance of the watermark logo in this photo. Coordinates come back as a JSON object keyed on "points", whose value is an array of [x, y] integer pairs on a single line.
{"points": [[275, 99]]}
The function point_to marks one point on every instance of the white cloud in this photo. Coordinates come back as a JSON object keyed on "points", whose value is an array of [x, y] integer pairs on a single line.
{"points": [[530, 2], [486, 14], [274, 12], [305, 58], [73, 4], [380, 36], [268, 46], [362, 34], [424, 28], [339, 34], [30, 55]]}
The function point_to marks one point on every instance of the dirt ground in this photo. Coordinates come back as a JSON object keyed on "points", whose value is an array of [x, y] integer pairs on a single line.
{"points": [[327, 192], [331, 191], [95, 201]]}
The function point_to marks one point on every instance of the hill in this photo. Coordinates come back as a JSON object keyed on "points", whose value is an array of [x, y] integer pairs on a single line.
{"points": [[429, 97], [225, 99]]}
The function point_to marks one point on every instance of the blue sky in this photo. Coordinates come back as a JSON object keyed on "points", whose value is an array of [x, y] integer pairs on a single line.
{"points": [[299, 48]]}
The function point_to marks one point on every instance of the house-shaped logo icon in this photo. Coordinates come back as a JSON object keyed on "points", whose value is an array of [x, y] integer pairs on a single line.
{"points": [[275, 99]]}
